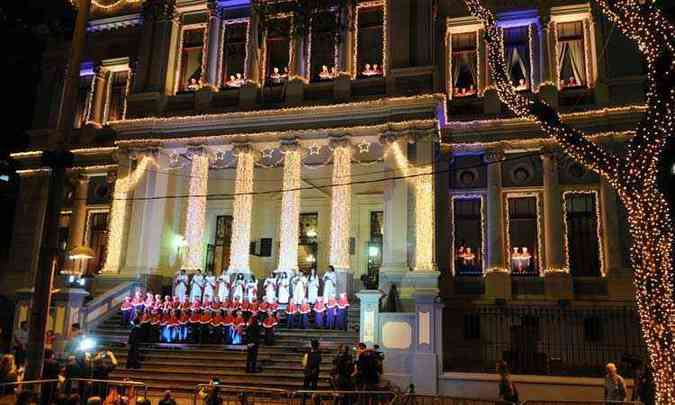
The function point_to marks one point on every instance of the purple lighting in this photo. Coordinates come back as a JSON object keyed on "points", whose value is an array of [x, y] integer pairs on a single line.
{"points": [[86, 69], [520, 18]]}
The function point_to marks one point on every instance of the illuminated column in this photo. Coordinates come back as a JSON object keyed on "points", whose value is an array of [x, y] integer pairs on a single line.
{"points": [[497, 278], [395, 241], [549, 86], [119, 213], [213, 38], [99, 96], [242, 209], [424, 217], [290, 209], [78, 222], [195, 216], [341, 211], [553, 220]]}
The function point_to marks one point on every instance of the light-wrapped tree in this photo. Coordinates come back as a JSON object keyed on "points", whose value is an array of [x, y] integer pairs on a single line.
{"points": [[631, 172]]}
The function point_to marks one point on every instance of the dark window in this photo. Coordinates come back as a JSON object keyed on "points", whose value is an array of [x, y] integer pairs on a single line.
{"points": [[376, 226], [523, 236], [571, 54], [468, 236], [117, 95], [517, 54], [583, 247], [266, 247], [83, 101], [192, 50], [234, 54], [278, 50], [471, 326], [370, 49], [97, 231], [464, 65], [322, 52]]}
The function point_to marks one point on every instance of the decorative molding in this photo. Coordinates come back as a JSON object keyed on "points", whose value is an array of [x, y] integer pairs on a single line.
{"points": [[115, 23]]}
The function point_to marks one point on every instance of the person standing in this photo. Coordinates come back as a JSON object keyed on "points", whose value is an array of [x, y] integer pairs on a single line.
{"points": [[133, 358], [238, 288], [252, 289], [342, 312], [319, 310], [329, 283], [615, 387], [270, 287], [167, 399], [284, 290], [312, 287], [644, 390], [252, 342], [300, 288], [197, 286], [507, 389], [20, 342], [223, 282], [210, 285], [343, 368], [312, 366], [180, 285]]}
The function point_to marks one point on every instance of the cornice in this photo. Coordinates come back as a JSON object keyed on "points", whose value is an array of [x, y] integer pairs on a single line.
{"points": [[115, 23]]}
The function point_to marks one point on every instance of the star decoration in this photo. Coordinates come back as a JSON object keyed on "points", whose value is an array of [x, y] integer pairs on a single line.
{"points": [[267, 153], [364, 146], [314, 149]]}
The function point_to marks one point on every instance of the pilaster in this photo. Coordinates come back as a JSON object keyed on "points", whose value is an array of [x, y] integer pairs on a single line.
{"points": [[498, 277]]}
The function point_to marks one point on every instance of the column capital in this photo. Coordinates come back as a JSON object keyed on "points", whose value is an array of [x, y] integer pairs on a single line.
{"points": [[197, 150], [389, 137], [289, 145], [159, 10], [138, 154], [339, 140], [239, 148], [214, 8]]}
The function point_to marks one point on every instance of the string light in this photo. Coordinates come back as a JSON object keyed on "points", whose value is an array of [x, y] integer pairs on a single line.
{"points": [[119, 212], [195, 216], [509, 252], [633, 175], [114, 4], [241, 212], [290, 211], [453, 228], [598, 228], [355, 61], [424, 221], [341, 205]]}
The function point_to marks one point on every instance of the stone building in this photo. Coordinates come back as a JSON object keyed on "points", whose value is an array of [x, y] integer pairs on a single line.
{"points": [[210, 135]]}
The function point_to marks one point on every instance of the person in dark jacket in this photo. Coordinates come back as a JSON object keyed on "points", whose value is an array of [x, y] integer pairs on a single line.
{"points": [[50, 371], [507, 389], [252, 341], [312, 366], [343, 368], [133, 358]]}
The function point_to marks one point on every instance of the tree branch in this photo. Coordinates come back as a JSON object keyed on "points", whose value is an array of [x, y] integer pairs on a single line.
{"points": [[572, 141]]}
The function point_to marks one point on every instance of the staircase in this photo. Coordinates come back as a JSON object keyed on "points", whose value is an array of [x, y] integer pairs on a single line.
{"points": [[180, 367]]}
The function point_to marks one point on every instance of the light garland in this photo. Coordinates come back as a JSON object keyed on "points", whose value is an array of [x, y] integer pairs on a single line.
{"points": [[341, 206], [598, 228], [241, 212], [291, 51], [507, 225], [290, 212], [119, 212], [223, 28], [424, 220], [355, 61], [195, 214], [453, 229], [632, 175], [188, 27]]}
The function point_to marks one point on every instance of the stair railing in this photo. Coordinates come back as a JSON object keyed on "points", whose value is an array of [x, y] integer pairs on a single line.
{"points": [[103, 306]]}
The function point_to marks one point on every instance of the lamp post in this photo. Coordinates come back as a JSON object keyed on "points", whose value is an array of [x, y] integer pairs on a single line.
{"points": [[57, 160]]}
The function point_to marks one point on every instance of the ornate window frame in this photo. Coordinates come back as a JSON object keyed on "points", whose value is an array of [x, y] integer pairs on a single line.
{"points": [[483, 206], [385, 36], [463, 25]]}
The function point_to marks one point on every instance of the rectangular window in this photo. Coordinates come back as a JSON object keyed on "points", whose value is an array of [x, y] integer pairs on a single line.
{"points": [[308, 248], [571, 53], [278, 48], [322, 47], [97, 239], [234, 54], [191, 58], [84, 96], [523, 234], [517, 54], [222, 241], [464, 64], [468, 236], [370, 41], [581, 223], [116, 100]]}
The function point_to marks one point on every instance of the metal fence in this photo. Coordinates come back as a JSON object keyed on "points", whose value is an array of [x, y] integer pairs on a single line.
{"points": [[560, 340], [241, 395], [582, 403], [50, 391]]}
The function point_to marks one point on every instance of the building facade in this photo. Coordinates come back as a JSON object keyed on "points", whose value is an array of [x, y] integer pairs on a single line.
{"points": [[230, 136]]}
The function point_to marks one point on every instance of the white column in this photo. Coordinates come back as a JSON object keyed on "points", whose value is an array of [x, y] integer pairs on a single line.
{"points": [[242, 209], [341, 204], [290, 210], [495, 213], [213, 38], [395, 241], [195, 215]]}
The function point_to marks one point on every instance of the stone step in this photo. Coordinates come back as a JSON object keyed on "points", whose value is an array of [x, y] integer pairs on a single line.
{"points": [[236, 364], [188, 358]]}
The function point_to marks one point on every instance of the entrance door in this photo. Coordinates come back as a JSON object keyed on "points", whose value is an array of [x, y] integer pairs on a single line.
{"points": [[221, 245]]}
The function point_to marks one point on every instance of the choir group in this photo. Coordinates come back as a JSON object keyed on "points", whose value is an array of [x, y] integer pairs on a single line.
{"points": [[209, 309]]}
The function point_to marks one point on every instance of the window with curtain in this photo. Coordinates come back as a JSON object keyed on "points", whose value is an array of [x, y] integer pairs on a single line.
{"points": [[97, 239], [468, 236], [234, 54], [517, 54], [307, 241], [571, 54], [83, 101], [278, 47], [370, 49], [192, 52], [322, 47], [583, 246], [117, 95], [523, 236], [464, 65]]}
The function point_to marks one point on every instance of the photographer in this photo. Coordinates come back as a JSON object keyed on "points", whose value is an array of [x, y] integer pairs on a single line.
{"points": [[209, 393], [104, 363]]}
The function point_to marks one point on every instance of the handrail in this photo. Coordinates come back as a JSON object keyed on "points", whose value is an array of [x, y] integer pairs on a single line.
{"points": [[116, 382], [579, 402], [29, 382], [105, 300]]}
